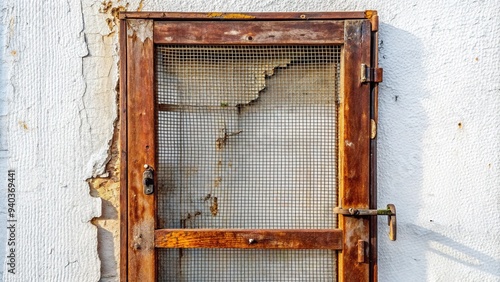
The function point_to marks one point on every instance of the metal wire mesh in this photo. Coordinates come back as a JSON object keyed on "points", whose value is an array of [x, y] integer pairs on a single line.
{"points": [[247, 139]]}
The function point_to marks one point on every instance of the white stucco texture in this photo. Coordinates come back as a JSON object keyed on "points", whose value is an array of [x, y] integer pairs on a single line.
{"points": [[438, 138]]}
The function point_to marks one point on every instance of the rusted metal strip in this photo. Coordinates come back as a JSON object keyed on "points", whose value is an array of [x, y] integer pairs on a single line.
{"points": [[249, 239], [249, 33], [244, 16]]}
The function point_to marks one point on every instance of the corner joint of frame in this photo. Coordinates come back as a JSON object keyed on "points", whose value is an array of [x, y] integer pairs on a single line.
{"points": [[373, 17]]}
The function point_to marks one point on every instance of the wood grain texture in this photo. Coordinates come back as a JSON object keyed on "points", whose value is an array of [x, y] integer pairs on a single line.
{"points": [[249, 239], [123, 153], [244, 16], [354, 149], [141, 149], [249, 32]]}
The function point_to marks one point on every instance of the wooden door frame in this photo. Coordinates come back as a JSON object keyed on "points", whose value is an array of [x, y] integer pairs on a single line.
{"points": [[140, 31]]}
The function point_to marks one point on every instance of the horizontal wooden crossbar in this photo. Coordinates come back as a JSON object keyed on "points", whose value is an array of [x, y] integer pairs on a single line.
{"points": [[249, 238], [249, 33]]}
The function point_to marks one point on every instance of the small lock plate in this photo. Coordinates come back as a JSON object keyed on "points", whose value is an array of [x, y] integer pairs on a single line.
{"points": [[148, 181]]}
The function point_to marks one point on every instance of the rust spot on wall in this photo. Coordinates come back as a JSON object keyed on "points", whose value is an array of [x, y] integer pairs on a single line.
{"points": [[460, 125], [23, 125], [113, 9], [141, 5]]}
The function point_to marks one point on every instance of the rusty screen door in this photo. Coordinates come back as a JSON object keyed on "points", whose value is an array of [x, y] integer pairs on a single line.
{"points": [[242, 134]]}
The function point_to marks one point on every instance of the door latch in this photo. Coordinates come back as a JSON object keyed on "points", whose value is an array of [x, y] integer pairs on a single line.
{"points": [[148, 180], [390, 212]]}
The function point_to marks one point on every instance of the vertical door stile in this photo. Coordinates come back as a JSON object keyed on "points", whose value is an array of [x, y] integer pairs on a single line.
{"points": [[123, 154], [141, 149], [354, 150]]}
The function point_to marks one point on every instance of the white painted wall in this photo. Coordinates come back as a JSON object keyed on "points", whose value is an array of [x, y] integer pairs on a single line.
{"points": [[439, 138]]}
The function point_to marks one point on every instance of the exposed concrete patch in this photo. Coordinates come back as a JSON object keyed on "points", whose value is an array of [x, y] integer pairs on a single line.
{"points": [[107, 187]]}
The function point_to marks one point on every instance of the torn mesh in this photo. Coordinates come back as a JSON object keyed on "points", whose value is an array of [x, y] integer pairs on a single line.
{"points": [[247, 139]]}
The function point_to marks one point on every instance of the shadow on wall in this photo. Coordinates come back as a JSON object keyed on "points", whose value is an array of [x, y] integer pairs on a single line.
{"points": [[403, 122], [435, 242]]}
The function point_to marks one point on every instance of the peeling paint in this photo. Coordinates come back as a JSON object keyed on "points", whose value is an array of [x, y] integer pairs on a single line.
{"points": [[107, 187], [141, 6], [349, 143], [143, 235], [113, 11], [113, 8], [143, 29]]}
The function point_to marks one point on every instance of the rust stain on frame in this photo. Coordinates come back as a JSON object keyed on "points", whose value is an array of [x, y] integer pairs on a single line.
{"points": [[230, 16]]}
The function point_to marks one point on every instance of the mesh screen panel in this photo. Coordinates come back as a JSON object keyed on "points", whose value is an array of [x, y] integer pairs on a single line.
{"points": [[247, 139]]}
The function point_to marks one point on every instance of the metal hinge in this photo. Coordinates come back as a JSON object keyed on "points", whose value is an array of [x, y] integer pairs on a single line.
{"points": [[390, 212], [369, 74]]}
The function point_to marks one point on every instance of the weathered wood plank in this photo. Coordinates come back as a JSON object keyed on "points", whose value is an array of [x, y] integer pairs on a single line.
{"points": [[354, 149], [249, 33], [250, 239], [141, 149], [244, 16], [123, 153]]}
